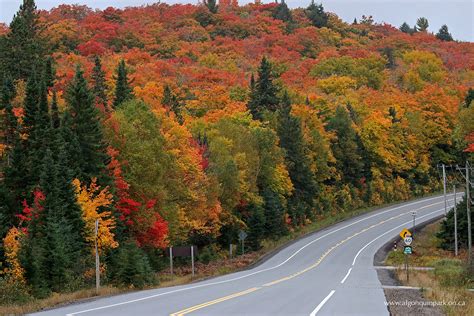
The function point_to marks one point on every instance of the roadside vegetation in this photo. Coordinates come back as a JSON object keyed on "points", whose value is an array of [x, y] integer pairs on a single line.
{"points": [[449, 281]]}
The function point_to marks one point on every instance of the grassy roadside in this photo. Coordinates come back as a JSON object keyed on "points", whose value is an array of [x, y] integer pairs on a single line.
{"points": [[447, 282], [182, 274]]}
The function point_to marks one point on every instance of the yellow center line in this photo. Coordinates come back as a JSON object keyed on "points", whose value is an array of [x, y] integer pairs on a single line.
{"points": [[286, 278], [225, 298]]}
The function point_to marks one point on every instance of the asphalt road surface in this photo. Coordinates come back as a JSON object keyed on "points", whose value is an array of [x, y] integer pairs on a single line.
{"points": [[327, 273]]}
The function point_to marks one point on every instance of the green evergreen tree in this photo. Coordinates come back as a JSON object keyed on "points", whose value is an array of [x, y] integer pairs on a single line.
{"points": [[99, 83], [86, 126], [55, 119], [446, 233], [282, 12], [211, 5], [172, 102], [7, 118], [422, 24], [469, 97], [31, 103], [291, 140], [345, 147], [316, 15], [49, 73], [443, 34], [264, 94], [405, 28], [256, 224], [22, 50], [274, 213], [123, 91]]}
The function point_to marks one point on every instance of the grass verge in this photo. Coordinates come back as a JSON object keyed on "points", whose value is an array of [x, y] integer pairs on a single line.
{"points": [[447, 284]]}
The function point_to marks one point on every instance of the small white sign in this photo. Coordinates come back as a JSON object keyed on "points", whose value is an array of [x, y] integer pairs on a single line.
{"points": [[408, 240]]}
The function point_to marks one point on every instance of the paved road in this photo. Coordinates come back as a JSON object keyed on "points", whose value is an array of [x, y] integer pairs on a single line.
{"points": [[328, 273]]}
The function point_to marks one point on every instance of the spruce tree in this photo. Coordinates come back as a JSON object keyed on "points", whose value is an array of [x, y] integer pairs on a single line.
{"points": [[31, 103], [123, 91], [92, 159], [345, 147], [7, 118], [405, 28], [22, 50], [49, 74], [316, 15], [99, 84], [291, 140], [172, 102], [274, 213], [443, 34], [55, 119], [282, 12], [469, 97], [211, 5], [256, 224], [264, 94]]}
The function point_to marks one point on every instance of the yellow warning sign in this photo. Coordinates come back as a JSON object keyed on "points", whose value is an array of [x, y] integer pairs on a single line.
{"points": [[405, 233]]}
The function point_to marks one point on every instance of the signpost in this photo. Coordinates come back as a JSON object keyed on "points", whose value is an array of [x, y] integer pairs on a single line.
{"points": [[407, 239], [242, 236], [97, 260], [182, 251]]}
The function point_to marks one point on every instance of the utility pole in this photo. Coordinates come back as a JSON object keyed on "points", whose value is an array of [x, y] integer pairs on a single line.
{"points": [[468, 209], [97, 263], [444, 190], [455, 224]]}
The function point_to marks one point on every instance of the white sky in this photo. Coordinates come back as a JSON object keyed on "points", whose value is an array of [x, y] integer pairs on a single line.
{"points": [[457, 14]]}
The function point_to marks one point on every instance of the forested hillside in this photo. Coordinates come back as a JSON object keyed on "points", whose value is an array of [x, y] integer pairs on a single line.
{"points": [[184, 124]]}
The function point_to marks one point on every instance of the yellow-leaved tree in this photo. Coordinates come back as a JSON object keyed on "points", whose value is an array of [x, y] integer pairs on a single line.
{"points": [[11, 246], [91, 199]]}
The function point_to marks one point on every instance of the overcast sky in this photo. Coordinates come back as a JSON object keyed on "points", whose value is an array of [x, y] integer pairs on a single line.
{"points": [[457, 14]]}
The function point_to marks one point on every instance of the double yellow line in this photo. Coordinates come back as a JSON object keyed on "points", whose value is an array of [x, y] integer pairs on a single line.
{"points": [[286, 278], [222, 299]]}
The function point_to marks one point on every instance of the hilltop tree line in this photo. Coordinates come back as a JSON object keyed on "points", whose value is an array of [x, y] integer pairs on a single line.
{"points": [[192, 123]]}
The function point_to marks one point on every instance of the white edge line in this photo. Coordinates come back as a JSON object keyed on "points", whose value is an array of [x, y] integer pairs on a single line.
{"points": [[387, 232], [316, 310], [347, 275], [267, 269]]}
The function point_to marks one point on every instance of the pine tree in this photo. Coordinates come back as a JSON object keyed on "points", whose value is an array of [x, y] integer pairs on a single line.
{"points": [[172, 102], [99, 83], [31, 103], [282, 12], [22, 50], [345, 147], [405, 28], [316, 15], [211, 5], [55, 119], [469, 97], [443, 34], [291, 140], [422, 24], [274, 213], [264, 94], [123, 91], [92, 159], [256, 224], [49, 74], [7, 118]]}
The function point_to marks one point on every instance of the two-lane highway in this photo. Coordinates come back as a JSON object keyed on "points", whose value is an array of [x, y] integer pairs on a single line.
{"points": [[327, 273]]}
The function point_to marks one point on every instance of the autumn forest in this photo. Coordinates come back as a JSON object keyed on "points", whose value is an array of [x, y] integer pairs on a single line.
{"points": [[184, 124]]}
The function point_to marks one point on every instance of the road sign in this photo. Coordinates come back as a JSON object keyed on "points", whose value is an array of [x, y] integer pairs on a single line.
{"points": [[242, 235], [408, 240], [404, 233], [407, 250]]}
